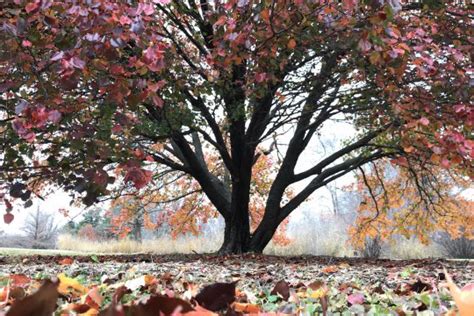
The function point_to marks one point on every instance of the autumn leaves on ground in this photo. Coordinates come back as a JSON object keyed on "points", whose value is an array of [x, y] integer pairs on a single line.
{"points": [[145, 285]]}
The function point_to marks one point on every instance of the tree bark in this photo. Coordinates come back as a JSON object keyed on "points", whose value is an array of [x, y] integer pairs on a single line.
{"points": [[236, 239], [237, 226]]}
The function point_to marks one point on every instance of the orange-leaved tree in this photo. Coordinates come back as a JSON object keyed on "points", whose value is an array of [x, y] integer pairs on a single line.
{"points": [[400, 201]]}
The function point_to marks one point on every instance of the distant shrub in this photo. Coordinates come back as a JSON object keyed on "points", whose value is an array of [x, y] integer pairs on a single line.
{"points": [[402, 248], [88, 232], [462, 248], [372, 247]]}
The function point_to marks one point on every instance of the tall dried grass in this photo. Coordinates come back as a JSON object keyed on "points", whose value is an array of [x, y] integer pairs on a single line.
{"points": [[326, 236], [163, 245]]}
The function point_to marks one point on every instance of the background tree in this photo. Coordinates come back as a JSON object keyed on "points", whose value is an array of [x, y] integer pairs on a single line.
{"points": [[94, 225], [397, 202], [40, 229], [146, 87]]}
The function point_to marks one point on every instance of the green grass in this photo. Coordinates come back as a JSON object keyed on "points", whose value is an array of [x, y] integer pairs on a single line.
{"points": [[43, 252]]}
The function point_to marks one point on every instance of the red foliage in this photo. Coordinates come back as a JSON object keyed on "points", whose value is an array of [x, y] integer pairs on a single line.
{"points": [[88, 232]]}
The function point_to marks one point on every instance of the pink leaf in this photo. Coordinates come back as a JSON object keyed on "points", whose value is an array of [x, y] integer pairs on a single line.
{"points": [[459, 108], [349, 4], [8, 218], [424, 121], [30, 7], [260, 77], [147, 8], [157, 101], [221, 21], [54, 116], [149, 158], [26, 43], [364, 45], [125, 20], [116, 129], [77, 62], [138, 176], [57, 56], [30, 137], [445, 163], [356, 299]]}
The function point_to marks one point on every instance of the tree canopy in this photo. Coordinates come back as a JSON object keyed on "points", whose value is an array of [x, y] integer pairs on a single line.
{"points": [[99, 95]]}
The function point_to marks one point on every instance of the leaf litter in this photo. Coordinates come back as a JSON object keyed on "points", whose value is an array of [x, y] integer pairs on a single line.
{"points": [[229, 285]]}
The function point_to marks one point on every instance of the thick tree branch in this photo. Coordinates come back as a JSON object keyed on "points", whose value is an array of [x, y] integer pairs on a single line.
{"points": [[326, 176], [214, 188], [340, 153]]}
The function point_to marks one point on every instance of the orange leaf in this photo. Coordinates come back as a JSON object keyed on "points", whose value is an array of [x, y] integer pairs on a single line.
{"points": [[93, 298], [246, 308], [69, 286], [291, 44], [330, 269], [66, 261], [265, 15], [19, 280]]}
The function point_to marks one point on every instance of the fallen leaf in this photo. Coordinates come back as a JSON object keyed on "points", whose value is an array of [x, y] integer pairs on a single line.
{"points": [[291, 44], [161, 305], [139, 282], [20, 280], [356, 299], [282, 288], [330, 269], [93, 298], [77, 308], [246, 308], [66, 261], [420, 286], [315, 285], [8, 218], [216, 296], [41, 303], [69, 286]]}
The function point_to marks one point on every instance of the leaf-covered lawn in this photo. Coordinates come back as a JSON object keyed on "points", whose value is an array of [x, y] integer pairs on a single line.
{"points": [[200, 285]]}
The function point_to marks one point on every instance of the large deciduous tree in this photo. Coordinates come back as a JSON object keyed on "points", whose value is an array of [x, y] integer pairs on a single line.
{"points": [[148, 87]]}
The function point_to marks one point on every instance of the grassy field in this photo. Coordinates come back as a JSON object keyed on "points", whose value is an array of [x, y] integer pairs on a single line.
{"points": [[45, 252]]}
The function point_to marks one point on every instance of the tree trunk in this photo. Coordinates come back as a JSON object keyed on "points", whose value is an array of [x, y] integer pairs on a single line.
{"points": [[236, 239], [239, 240], [237, 225]]}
